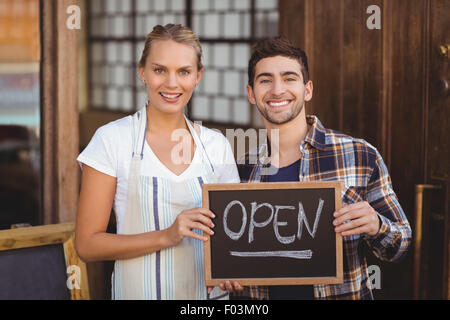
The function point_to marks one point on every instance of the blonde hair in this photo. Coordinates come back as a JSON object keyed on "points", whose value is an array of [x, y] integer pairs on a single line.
{"points": [[175, 32]]}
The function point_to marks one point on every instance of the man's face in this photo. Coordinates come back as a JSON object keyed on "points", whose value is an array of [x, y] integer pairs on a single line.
{"points": [[278, 90]]}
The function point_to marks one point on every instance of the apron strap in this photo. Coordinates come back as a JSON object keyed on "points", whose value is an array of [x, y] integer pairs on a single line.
{"points": [[199, 143], [139, 130]]}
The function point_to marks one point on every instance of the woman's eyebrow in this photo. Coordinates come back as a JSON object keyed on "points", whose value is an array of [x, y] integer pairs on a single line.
{"points": [[164, 67], [158, 65], [186, 67]]}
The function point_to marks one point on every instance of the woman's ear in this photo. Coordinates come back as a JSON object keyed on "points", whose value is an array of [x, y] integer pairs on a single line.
{"points": [[141, 74], [199, 76]]}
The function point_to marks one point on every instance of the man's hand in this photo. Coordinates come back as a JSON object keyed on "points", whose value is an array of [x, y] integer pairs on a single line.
{"points": [[359, 218]]}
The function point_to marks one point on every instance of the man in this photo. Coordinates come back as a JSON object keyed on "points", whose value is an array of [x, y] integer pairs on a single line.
{"points": [[279, 86]]}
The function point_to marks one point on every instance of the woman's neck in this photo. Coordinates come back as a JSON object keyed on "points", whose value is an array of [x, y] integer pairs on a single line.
{"points": [[164, 123]]}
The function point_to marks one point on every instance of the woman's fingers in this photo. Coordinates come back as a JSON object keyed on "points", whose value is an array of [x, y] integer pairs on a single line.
{"points": [[202, 227], [195, 235], [230, 286], [197, 218], [203, 211]]}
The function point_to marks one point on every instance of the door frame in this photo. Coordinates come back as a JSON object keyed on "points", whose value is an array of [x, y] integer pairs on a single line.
{"points": [[59, 113]]}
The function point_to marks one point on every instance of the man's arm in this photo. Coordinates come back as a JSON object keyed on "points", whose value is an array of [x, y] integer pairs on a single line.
{"points": [[394, 236], [381, 219]]}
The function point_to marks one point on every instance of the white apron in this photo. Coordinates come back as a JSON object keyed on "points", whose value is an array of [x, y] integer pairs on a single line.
{"points": [[153, 203]]}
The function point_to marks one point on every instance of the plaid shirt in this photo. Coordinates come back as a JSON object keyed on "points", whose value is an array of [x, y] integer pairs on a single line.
{"points": [[328, 155]]}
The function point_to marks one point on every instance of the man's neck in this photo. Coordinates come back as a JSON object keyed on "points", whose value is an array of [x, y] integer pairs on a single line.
{"points": [[290, 135]]}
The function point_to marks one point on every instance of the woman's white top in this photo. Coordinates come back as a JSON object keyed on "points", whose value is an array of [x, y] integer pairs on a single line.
{"points": [[110, 152]]}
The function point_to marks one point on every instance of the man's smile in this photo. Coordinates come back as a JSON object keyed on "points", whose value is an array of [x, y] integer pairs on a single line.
{"points": [[278, 104]]}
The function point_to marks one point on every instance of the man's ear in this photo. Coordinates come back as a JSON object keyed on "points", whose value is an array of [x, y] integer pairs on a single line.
{"points": [[308, 91], [251, 95]]}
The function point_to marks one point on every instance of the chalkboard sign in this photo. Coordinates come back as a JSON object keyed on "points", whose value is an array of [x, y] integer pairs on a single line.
{"points": [[273, 233], [40, 263]]}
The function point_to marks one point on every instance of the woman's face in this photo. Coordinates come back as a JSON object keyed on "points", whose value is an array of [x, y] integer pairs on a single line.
{"points": [[170, 75]]}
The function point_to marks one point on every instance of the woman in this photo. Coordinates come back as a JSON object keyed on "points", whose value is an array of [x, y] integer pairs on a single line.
{"points": [[154, 181]]}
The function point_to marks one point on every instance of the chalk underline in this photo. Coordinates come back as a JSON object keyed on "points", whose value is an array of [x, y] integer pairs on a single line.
{"points": [[303, 254]]}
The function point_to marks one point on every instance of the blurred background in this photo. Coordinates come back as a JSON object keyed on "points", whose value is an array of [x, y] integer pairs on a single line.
{"points": [[388, 86]]}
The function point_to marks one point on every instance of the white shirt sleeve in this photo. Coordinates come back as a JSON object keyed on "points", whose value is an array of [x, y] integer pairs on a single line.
{"points": [[226, 169], [101, 152]]}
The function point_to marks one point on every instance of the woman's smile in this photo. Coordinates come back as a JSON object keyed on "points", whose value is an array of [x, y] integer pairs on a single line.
{"points": [[170, 97]]}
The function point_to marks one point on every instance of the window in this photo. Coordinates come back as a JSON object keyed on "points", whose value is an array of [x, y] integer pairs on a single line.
{"points": [[20, 114], [226, 28]]}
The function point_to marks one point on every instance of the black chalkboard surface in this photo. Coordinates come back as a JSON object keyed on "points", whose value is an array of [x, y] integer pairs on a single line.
{"points": [[34, 273], [273, 233], [41, 263]]}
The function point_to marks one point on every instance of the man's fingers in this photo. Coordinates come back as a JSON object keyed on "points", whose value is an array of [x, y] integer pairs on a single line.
{"points": [[350, 215], [353, 224], [350, 207]]}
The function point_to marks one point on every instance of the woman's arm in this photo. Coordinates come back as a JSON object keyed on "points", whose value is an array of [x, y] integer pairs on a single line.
{"points": [[94, 244]]}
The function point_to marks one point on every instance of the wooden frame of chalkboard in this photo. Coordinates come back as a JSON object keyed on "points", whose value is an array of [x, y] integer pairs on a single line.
{"points": [[47, 236], [218, 254]]}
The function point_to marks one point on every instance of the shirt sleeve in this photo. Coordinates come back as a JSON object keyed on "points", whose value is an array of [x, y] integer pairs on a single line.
{"points": [[227, 171], [394, 236], [101, 152]]}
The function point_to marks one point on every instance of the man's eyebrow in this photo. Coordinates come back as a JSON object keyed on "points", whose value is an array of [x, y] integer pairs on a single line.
{"points": [[285, 73], [264, 74]]}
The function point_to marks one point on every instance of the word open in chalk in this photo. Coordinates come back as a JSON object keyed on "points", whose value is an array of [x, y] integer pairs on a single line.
{"points": [[276, 223]]}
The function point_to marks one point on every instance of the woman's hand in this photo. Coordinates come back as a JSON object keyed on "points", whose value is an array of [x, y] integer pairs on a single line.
{"points": [[187, 221]]}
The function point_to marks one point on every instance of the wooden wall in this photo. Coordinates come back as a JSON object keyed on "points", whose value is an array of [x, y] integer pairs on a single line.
{"points": [[59, 103], [376, 84]]}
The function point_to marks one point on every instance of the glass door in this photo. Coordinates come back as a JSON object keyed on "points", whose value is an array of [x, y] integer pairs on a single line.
{"points": [[20, 121]]}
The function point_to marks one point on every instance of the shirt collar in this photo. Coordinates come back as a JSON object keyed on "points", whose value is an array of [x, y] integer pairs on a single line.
{"points": [[316, 135]]}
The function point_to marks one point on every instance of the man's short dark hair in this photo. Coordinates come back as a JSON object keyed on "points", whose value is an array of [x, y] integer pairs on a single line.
{"points": [[276, 46]]}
